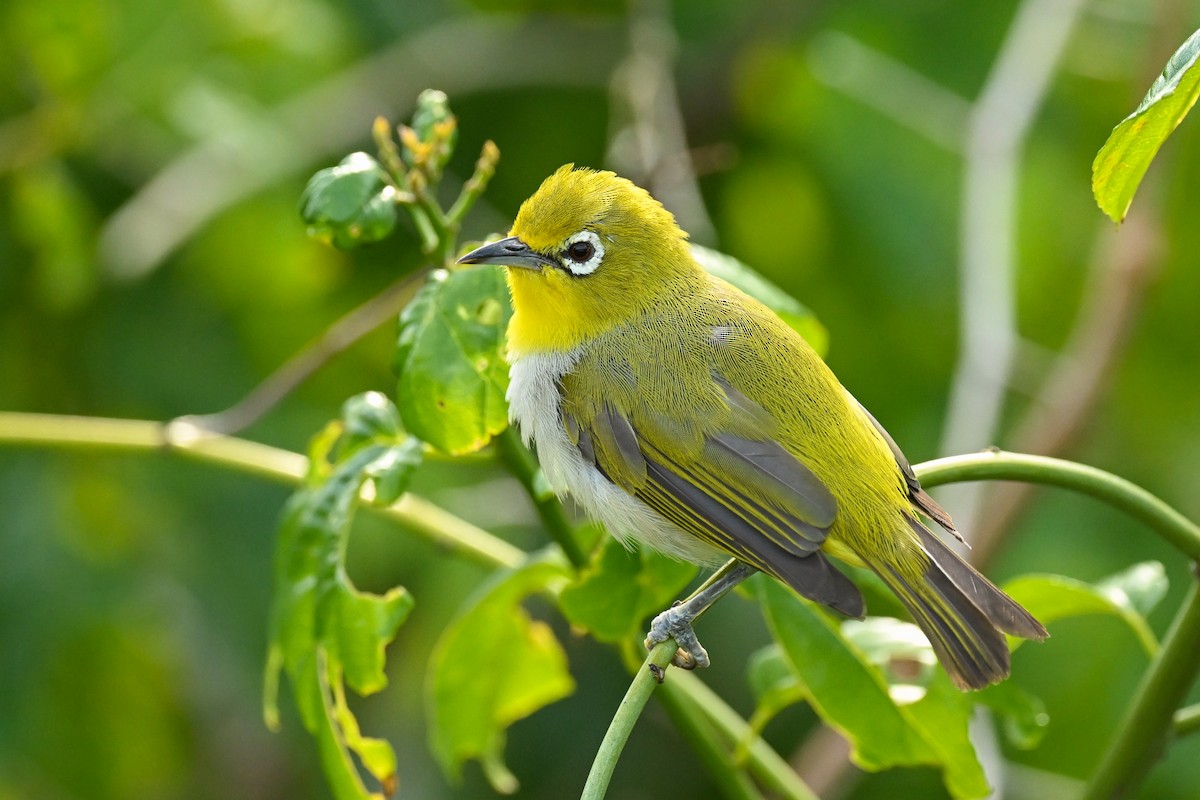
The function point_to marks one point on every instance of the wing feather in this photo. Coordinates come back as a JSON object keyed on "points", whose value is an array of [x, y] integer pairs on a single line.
{"points": [[748, 497]]}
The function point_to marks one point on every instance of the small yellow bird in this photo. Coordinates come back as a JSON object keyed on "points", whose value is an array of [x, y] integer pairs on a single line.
{"points": [[685, 415]]}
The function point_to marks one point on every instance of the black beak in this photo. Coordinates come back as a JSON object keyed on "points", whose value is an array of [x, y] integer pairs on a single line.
{"points": [[510, 252]]}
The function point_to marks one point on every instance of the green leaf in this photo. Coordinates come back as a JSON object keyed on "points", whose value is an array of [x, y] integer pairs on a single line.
{"points": [[1054, 597], [324, 632], [768, 672], [1024, 715], [449, 359], [366, 417], [899, 650], [435, 125], [371, 418], [391, 473], [775, 687], [790, 310], [850, 694], [493, 666], [619, 589], [1139, 588], [1123, 160], [350, 204]]}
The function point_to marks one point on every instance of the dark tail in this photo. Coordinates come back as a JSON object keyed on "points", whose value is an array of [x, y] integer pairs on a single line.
{"points": [[964, 616]]}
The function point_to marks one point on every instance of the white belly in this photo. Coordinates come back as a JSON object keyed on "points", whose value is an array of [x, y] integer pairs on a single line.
{"points": [[533, 400]]}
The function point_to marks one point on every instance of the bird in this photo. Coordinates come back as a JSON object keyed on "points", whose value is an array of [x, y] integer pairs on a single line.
{"points": [[687, 417]]}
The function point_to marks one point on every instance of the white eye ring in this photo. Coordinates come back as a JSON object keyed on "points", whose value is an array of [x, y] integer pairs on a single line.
{"points": [[587, 258]]}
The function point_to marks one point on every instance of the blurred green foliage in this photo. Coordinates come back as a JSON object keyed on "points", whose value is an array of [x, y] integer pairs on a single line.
{"points": [[152, 265]]}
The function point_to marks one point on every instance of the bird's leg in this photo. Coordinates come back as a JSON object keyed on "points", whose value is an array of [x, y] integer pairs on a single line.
{"points": [[676, 622]]}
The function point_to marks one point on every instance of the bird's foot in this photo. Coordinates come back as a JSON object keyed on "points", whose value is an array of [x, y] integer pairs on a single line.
{"points": [[676, 623]]}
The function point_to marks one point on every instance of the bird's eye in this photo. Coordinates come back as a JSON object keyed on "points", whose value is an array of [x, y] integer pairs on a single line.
{"points": [[582, 253]]}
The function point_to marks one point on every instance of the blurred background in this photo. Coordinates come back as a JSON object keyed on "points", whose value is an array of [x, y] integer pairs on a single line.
{"points": [[917, 174]]}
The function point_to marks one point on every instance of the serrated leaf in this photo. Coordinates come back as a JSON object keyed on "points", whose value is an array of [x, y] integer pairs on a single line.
{"points": [[350, 204], [492, 666], [371, 418], [449, 360], [391, 474], [619, 589], [366, 417], [1054, 597], [789, 309], [850, 694], [1123, 160], [325, 633], [364, 624]]}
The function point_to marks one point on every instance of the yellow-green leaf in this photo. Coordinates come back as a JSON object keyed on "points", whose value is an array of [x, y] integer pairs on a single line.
{"points": [[615, 593], [494, 665], [1128, 595], [449, 359], [850, 694], [350, 204], [326, 634], [1122, 163]]}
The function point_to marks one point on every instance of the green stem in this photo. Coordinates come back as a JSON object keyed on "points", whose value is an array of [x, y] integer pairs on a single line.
{"points": [[1142, 735], [1176, 529], [1152, 713], [430, 241], [689, 718], [766, 764], [623, 721], [524, 466], [441, 234], [474, 188], [190, 442], [1187, 721]]}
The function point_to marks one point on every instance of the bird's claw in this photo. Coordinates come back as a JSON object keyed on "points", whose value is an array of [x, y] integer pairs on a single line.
{"points": [[676, 624]]}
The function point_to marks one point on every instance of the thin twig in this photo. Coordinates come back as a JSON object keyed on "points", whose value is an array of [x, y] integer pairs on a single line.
{"points": [[622, 723], [890, 87], [1187, 720], [1142, 736], [996, 465], [338, 337], [765, 764], [731, 780]]}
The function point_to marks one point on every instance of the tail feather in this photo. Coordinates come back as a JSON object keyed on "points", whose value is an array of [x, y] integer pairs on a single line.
{"points": [[1005, 613], [962, 613]]}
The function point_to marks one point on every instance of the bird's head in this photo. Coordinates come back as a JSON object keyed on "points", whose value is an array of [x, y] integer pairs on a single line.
{"points": [[587, 252]]}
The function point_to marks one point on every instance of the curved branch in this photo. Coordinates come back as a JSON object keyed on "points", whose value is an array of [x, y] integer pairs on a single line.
{"points": [[188, 441], [1176, 529], [627, 715]]}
